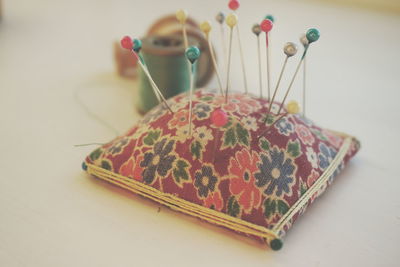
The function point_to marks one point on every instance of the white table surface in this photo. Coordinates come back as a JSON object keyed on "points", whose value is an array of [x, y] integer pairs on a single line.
{"points": [[53, 214]]}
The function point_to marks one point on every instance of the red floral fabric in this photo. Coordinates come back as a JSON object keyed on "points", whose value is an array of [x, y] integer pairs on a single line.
{"points": [[229, 169]]}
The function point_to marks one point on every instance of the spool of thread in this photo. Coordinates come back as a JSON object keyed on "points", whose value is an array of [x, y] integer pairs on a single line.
{"points": [[167, 64]]}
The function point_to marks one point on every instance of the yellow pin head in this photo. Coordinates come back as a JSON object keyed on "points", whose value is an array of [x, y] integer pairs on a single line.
{"points": [[205, 27], [293, 107], [181, 15], [231, 20]]}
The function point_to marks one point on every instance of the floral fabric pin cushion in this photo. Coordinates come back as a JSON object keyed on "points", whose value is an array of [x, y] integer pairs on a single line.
{"points": [[252, 177]]}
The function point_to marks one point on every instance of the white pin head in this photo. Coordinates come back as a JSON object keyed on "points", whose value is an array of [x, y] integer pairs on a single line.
{"points": [[290, 49], [304, 40], [220, 17]]}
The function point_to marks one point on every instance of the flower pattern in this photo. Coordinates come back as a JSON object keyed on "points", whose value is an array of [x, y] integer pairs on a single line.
{"points": [[284, 126], [276, 173], [304, 134], [242, 181], [205, 181], [312, 157], [239, 103], [132, 168], [202, 110], [159, 161], [253, 179], [118, 145], [250, 123], [325, 156], [181, 118], [214, 201]]}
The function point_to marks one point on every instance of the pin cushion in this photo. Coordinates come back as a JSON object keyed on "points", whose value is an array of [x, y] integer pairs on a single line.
{"points": [[252, 177]]}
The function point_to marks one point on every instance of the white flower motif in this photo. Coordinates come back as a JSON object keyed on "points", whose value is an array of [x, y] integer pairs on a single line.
{"points": [[312, 157], [203, 134], [250, 123]]}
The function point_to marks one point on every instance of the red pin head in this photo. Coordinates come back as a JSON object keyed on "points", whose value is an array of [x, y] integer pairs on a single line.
{"points": [[234, 4], [219, 118], [127, 43], [266, 25]]}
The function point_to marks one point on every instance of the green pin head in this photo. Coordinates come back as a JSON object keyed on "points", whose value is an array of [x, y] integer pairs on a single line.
{"points": [[270, 17], [192, 53], [137, 45], [312, 35]]}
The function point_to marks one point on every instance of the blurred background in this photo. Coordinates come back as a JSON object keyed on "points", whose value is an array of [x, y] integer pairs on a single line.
{"points": [[59, 87]]}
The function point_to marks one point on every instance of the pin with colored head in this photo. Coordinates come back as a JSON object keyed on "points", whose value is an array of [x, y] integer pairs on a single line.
{"points": [[266, 26], [192, 54], [205, 27], [256, 29], [219, 119], [304, 42], [220, 17], [135, 45], [293, 107], [290, 49], [233, 5], [312, 36], [270, 17], [181, 16], [231, 20]]}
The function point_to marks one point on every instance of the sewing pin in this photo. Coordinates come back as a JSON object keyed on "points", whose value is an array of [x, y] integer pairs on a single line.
{"points": [[231, 21], [290, 49], [192, 54], [181, 16], [206, 28], [257, 30], [270, 17], [304, 41], [234, 5], [135, 46], [219, 119], [266, 26], [312, 35], [220, 17]]}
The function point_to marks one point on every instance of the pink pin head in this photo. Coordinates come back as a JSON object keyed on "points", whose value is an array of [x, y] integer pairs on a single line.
{"points": [[234, 4], [219, 118], [127, 43], [266, 25]]}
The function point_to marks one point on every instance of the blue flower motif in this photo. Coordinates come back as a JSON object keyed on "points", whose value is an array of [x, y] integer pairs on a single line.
{"points": [[276, 172], [284, 126], [325, 156], [201, 110]]}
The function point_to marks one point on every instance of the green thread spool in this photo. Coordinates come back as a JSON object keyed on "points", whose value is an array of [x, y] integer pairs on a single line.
{"points": [[165, 59]]}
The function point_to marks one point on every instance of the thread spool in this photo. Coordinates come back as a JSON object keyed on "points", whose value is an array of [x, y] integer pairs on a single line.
{"points": [[167, 64]]}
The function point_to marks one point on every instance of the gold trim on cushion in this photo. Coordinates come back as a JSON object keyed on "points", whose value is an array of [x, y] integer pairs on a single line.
{"points": [[214, 216]]}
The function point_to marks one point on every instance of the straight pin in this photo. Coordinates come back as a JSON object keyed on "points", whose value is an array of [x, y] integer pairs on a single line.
{"points": [[135, 46], [304, 41], [192, 54], [220, 17], [312, 36], [256, 29], [231, 21], [206, 28], [290, 49], [266, 26], [234, 5]]}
